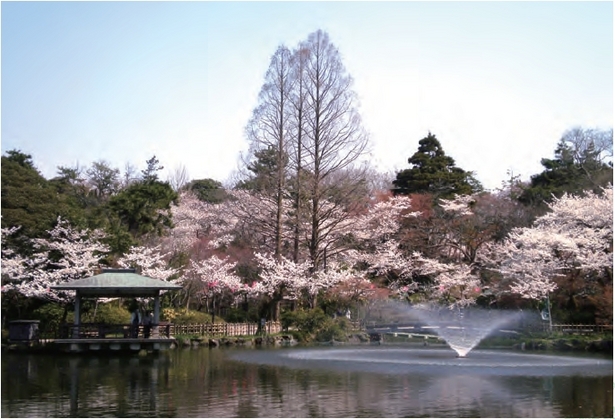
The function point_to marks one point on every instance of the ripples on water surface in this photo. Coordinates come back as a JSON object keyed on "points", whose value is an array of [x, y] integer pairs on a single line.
{"points": [[368, 381]]}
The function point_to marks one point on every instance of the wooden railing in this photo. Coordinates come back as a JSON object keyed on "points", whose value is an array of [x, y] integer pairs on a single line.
{"points": [[542, 326], [110, 331], [125, 331], [223, 329], [581, 329]]}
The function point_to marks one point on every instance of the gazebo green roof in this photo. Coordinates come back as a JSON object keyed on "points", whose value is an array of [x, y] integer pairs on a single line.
{"points": [[117, 283]]}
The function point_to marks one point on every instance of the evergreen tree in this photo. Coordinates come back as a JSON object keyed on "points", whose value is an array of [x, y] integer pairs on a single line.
{"points": [[432, 171], [262, 171], [153, 166], [579, 164], [207, 190], [142, 209], [31, 201]]}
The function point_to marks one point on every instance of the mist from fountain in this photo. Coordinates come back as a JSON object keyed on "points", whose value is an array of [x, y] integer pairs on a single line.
{"points": [[461, 328]]}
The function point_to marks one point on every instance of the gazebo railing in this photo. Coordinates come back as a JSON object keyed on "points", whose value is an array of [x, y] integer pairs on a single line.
{"points": [[112, 331]]}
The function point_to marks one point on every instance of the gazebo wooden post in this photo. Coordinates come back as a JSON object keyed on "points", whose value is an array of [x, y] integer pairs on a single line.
{"points": [[77, 319], [155, 330]]}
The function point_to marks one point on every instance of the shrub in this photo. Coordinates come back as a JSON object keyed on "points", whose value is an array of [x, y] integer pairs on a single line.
{"points": [[109, 313], [336, 329], [183, 316], [50, 316], [310, 324], [238, 315]]}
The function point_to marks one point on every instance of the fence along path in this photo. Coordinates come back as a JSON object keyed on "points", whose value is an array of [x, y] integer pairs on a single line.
{"points": [[222, 329]]}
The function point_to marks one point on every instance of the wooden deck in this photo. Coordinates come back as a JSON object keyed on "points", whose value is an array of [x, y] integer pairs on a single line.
{"points": [[110, 344], [112, 331], [96, 337]]}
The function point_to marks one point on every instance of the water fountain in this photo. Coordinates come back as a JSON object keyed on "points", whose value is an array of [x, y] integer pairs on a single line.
{"points": [[436, 383], [461, 328]]}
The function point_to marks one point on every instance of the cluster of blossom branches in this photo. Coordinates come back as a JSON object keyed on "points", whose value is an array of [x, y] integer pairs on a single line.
{"points": [[66, 255], [150, 262], [575, 235], [366, 255]]}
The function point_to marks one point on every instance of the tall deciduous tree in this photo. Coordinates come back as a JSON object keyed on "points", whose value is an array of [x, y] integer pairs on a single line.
{"points": [[306, 136], [334, 138], [298, 101], [432, 171], [268, 131]]}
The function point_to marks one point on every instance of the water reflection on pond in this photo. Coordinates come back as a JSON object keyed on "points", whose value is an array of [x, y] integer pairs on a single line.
{"points": [[368, 381]]}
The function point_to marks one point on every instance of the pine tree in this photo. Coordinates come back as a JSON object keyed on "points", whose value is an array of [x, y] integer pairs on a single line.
{"points": [[432, 171]]}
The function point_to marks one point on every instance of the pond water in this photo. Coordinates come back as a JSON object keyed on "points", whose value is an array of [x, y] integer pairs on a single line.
{"points": [[339, 381]]}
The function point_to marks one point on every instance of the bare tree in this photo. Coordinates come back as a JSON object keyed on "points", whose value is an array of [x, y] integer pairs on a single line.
{"points": [[179, 177], [130, 175], [103, 179], [334, 138], [590, 143], [592, 150], [268, 132], [306, 139], [298, 101]]}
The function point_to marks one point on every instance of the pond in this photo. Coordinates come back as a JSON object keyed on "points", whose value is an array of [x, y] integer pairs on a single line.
{"points": [[338, 381]]}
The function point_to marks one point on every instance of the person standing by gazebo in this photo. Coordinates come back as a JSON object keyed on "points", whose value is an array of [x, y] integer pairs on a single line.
{"points": [[135, 321], [147, 324]]}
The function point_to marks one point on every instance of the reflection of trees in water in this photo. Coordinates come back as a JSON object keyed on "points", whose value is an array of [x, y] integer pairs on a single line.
{"points": [[573, 396], [206, 383], [469, 395], [280, 391], [85, 386]]}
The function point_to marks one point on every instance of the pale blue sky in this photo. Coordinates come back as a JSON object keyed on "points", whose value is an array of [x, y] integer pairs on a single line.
{"points": [[497, 83]]}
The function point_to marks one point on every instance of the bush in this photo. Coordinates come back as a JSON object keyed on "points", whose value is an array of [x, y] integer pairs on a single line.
{"points": [[50, 316], [183, 316], [109, 313], [238, 315], [336, 329], [310, 324]]}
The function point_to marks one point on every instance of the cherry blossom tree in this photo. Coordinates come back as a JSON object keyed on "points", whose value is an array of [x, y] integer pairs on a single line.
{"points": [[196, 220], [455, 284], [257, 222], [282, 278], [377, 245], [574, 237], [150, 262], [214, 279], [66, 255], [13, 264]]}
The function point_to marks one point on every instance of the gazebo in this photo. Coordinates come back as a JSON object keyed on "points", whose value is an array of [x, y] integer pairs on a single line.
{"points": [[112, 283]]}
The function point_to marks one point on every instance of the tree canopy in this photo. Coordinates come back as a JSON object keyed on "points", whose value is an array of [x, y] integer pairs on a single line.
{"points": [[207, 190], [580, 162], [29, 200], [432, 171]]}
